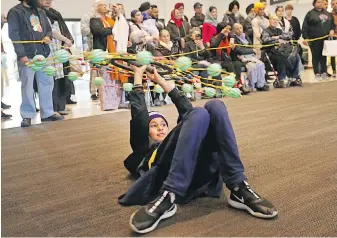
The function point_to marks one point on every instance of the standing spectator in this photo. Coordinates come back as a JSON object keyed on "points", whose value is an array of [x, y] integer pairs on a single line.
{"points": [[155, 15], [149, 24], [234, 14], [199, 18], [120, 29], [318, 23], [247, 26], [325, 5], [179, 28], [27, 22], [209, 27], [334, 14], [259, 23], [60, 33], [296, 26], [283, 23], [181, 7], [3, 72], [88, 46], [266, 11]]}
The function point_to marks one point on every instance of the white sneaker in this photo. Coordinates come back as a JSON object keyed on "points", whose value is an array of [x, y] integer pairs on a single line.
{"points": [[325, 76], [318, 77]]}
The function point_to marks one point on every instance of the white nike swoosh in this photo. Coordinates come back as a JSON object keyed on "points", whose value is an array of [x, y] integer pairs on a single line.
{"points": [[240, 199]]}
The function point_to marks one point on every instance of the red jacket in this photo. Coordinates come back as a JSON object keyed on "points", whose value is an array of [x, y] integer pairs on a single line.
{"points": [[208, 31]]}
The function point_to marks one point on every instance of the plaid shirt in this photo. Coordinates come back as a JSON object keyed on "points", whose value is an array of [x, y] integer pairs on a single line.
{"points": [[54, 48]]}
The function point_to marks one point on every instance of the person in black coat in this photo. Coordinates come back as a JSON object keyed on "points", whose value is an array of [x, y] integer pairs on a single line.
{"points": [[195, 159], [318, 23]]}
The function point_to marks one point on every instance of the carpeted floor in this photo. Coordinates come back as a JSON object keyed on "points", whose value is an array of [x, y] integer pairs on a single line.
{"points": [[63, 178]]}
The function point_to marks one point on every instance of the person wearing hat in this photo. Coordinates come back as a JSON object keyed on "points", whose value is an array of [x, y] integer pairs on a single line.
{"points": [[196, 158], [234, 14], [155, 15], [179, 28], [247, 25], [199, 18], [149, 23], [27, 22], [259, 23]]}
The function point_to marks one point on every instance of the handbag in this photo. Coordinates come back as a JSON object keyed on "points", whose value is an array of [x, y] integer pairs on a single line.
{"points": [[330, 48]]}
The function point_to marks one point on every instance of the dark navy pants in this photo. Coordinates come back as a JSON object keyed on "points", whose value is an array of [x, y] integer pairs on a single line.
{"points": [[210, 125]]}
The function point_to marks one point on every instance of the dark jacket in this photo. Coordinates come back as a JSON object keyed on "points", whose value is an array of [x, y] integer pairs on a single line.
{"points": [[317, 24], [248, 28], [198, 56], [163, 51], [215, 42], [241, 50], [147, 187], [20, 29], [295, 24], [269, 32], [197, 20], [177, 33], [99, 33], [233, 20]]}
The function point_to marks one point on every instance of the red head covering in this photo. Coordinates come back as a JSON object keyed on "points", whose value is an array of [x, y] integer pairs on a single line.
{"points": [[178, 5], [177, 22]]}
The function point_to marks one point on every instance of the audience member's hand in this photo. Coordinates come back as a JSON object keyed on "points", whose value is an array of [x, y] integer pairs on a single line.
{"points": [[331, 33], [254, 50], [68, 43], [24, 60], [182, 41], [46, 40], [199, 44], [305, 42], [225, 31]]}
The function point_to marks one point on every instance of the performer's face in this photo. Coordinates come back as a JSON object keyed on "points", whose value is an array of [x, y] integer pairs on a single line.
{"points": [[158, 129]]}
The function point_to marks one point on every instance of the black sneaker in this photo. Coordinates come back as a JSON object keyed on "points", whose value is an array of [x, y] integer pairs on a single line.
{"points": [[5, 106], [26, 122], [94, 97], [265, 88], [148, 217], [244, 198], [54, 117]]}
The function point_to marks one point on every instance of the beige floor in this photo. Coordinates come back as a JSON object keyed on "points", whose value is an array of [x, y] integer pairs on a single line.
{"points": [[85, 106]]}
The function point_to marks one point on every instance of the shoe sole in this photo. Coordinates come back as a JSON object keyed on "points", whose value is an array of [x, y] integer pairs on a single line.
{"points": [[242, 206], [166, 215]]}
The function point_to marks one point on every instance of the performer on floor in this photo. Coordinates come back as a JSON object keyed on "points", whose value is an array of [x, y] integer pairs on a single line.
{"points": [[195, 159]]}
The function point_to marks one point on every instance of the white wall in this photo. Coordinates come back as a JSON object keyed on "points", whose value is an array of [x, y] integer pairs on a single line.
{"points": [[76, 8]]}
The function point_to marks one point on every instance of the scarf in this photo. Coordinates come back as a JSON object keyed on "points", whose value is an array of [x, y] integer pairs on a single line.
{"points": [[210, 20], [223, 43], [109, 23], [167, 46], [177, 22], [53, 16], [243, 39]]}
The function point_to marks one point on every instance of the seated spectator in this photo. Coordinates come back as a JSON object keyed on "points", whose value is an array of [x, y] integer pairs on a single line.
{"points": [[234, 14], [198, 19], [255, 68], [209, 27], [202, 57], [247, 26], [279, 55], [136, 25], [266, 11], [139, 42], [179, 28], [222, 39], [166, 47]]}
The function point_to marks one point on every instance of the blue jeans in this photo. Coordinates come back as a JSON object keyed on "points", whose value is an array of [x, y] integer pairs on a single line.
{"points": [[210, 125], [45, 85]]}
